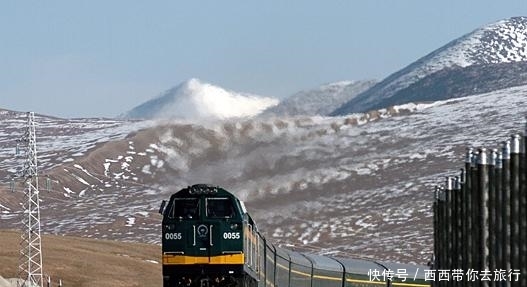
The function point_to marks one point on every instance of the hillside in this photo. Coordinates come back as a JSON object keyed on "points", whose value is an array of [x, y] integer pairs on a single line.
{"points": [[83, 262], [456, 82], [319, 101], [504, 41], [355, 185], [359, 185]]}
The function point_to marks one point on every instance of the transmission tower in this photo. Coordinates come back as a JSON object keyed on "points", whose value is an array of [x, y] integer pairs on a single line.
{"points": [[30, 267]]}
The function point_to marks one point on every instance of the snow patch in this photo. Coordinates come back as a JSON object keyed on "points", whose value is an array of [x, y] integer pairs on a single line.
{"points": [[130, 221]]}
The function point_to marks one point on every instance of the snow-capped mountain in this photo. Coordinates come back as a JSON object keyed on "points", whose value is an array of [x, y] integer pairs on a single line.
{"points": [[319, 101], [458, 81], [194, 99], [501, 42], [358, 185]]}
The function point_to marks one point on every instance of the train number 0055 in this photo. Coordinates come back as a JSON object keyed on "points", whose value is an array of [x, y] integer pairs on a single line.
{"points": [[231, 235], [175, 236]]}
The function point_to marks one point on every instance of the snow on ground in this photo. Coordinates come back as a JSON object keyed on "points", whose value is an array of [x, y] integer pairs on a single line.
{"points": [[357, 185], [60, 141], [504, 41]]}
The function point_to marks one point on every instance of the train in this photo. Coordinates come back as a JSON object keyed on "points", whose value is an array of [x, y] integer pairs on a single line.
{"points": [[210, 240]]}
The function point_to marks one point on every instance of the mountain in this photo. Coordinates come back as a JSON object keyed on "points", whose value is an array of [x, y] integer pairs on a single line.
{"points": [[194, 99], [358, 185], [455, 82], [501, 42], [319, 101]]}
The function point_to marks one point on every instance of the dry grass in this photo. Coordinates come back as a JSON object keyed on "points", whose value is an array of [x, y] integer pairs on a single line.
{"points": [[87, 262]]}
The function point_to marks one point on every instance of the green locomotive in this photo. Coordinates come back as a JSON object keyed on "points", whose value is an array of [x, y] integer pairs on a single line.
{"points": [[209, 240]]}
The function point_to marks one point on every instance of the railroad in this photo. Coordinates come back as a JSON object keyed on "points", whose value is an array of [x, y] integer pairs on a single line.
{"points": [[210, 240]]}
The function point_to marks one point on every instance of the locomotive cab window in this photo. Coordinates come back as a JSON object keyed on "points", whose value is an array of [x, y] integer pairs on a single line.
{"points": [[184, 208], [220, 208]]}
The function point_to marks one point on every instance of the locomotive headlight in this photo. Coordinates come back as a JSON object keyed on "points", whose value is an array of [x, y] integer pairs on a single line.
{"points": [[234, 226]]}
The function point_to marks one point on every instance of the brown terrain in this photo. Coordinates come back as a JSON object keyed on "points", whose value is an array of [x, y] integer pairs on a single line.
{"points": [[355, 186], [87, 262]]}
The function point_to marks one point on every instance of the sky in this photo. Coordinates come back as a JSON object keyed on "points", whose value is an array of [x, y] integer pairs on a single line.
{"points": [[102, 58]]}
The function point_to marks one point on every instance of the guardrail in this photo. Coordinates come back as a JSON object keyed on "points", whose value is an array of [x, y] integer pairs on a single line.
{"points": [[480, 219]]}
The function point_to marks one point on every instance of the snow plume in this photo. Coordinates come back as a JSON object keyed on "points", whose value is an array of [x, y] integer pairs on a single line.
{"points": [[359, 184], [261, 157], [194, 99]]}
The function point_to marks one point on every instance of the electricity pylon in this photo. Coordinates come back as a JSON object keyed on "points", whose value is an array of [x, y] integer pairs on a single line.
{"points": [[30, 267]]}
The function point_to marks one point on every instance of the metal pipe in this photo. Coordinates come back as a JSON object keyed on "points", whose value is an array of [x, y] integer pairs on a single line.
{"points": [[458, 233], [452, 221], [436, 231], [515, 203], [498, 228], [449, 226], [476, 222], [444, 231], [506, 207], [483, 191], [492, 212], [523, 209], [480, 217], [467, 212], [440, 231], [441, 235], [463, 229]]}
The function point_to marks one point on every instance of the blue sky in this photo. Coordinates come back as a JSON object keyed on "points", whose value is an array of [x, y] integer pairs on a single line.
{"points": [[101, 58]]}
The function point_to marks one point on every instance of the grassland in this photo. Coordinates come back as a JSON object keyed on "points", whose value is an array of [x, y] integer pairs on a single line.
{"points": [[87, 262]]}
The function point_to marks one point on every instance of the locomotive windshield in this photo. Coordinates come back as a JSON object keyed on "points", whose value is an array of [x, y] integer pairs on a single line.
{"points": [[184, 208], [220, 208]]}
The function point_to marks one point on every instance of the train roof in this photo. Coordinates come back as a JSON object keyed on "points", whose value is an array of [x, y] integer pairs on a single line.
{"points": [[298, 258], [203, 189], [324, 262], [359, 266], [415, 271]]}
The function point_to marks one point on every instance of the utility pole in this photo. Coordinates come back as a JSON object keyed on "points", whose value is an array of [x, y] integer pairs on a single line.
{"points": [[30, 268]]}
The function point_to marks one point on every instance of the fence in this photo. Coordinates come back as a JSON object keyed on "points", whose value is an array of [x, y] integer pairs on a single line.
{"points": [[49, 283], [480, 219]]}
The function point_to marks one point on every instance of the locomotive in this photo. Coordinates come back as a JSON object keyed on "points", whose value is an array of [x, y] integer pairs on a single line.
{"points": [[210, 240]]}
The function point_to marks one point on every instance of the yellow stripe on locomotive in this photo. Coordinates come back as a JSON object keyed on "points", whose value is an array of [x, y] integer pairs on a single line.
{"points": [[171, 259]]}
